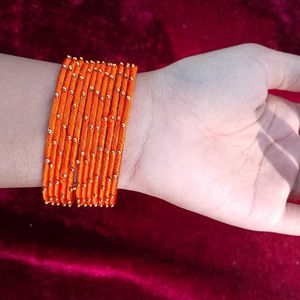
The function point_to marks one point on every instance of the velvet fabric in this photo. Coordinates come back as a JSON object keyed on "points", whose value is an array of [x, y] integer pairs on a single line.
{"points": [[144, 248]]}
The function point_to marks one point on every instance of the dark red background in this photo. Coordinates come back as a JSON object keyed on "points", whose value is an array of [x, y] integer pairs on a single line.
{"points": [[144, 248]]}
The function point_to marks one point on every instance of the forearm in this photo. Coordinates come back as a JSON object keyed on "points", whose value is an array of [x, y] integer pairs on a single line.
{"points": [[26, 93]]}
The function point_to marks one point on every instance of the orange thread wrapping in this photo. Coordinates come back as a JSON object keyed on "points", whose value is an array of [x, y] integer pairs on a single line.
{"points": [[86, 132], [48, 164], [63, 132]]}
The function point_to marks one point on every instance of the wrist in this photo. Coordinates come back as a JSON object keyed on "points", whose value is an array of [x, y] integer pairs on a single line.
{"points": [[139, 124]]}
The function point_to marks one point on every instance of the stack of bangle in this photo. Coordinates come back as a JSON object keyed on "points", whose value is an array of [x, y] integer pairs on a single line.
{"points": [[86, 132]]}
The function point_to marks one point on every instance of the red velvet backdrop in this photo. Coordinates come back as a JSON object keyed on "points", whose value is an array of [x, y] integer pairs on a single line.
{"points": [[144, 248]]}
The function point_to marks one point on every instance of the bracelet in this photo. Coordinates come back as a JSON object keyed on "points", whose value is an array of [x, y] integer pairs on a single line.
{"points": [[86, 132]]}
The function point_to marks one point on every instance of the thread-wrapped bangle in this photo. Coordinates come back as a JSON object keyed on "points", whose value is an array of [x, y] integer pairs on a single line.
{"points": [[86, 132], [48, 164]]}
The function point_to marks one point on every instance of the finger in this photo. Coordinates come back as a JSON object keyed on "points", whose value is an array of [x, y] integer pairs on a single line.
{"points": [[289, 223], [282, 69]]}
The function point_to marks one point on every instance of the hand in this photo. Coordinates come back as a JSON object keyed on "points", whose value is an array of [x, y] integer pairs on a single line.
{"points": [[217, 143]]}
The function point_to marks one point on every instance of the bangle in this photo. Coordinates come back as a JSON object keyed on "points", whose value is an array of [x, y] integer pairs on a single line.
{"points": [[86, 132]]}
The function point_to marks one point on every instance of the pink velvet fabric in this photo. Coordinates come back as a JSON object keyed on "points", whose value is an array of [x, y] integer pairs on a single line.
{"points": [[144, 248]]}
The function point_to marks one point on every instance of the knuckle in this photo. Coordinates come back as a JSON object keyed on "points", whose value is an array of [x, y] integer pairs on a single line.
{"points": [[254, 48]]}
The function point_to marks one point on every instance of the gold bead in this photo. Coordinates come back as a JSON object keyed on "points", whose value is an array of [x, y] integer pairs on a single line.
{"points": [[125, 75], [47, 161], [50, 131], [119, 152], [105, 119], [93, 155], [74, 57], [115, 176], [111, 76], [118, 90], [56, 94], [128, 97], [83, 94], [64, 66], [112, 117], [57, 116], [72, 170], [100, 148], [91, 126], [51, 166], [90, 181], [82, 153], [113, 153], [121, 63], [54, 143], [85, 117], [89, 70], [123, 125], [97, 92], [91, 88], [60, 152], [97, 128], [69, 56], [108, 97], [81, 77], [102, 98], [70, 67], [69, 137], [64, 175], [75, 140], [123, 93], [106, 151], [74, 105], [64, 89], [118, 118], [77, 161], [131, 78], [64, 126], [106, 73]]}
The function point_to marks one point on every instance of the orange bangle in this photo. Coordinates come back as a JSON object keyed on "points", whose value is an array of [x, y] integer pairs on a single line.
{"points": [[48, 164], [63, 132], [86, 132]]}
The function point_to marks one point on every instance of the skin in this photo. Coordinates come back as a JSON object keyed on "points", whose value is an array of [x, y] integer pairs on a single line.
{"points": [[204, 134]]}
